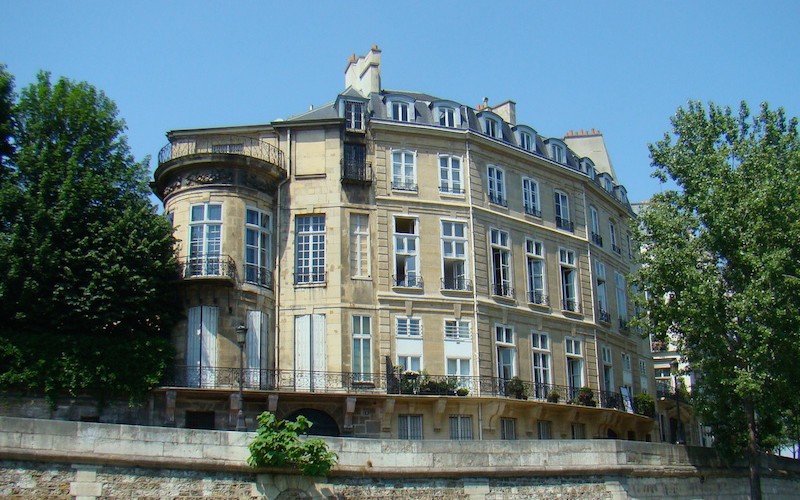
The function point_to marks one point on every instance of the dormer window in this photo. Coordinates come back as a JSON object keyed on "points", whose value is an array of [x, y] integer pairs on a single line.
{"points": [[400, 108], [491, 127], [557, 153], [526, 138], [354, 115]]}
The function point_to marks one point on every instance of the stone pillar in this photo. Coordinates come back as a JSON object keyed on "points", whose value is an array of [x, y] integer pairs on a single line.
{"points": [[85, 485]]}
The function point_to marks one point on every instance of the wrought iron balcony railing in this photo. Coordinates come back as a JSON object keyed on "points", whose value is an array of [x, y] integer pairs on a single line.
{"points": [[532, 210], [538, 298], [451, 189], [603, 315], [223, 144], [311, 277], [394, 381], [623, 325], [258, 275], [404, 185], [597, 239], [356, 171], [565, 224], [570, 305], [461, 284], [498, 199], [502, 290], [208, 266], [407, 281], [617, 250]]}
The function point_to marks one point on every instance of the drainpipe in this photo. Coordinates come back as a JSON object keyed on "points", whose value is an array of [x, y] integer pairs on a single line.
{"points": [[276, 280], [475, 351]]}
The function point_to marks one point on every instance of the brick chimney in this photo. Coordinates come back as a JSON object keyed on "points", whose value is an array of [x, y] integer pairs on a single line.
{"points": [[363, 73]]}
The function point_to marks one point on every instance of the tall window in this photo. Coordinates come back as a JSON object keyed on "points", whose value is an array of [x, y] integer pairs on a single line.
{"points": [[562, 212], [404, 171], [406, 252], [409, 426], [526, 141], [401, 111], [354, 163], [460, 427], [574, 350], [257, 247], [201, 346], [602, 298], [450, 175], [409, 363], [569, 281], [408, 327], [530, 197], [557, 153], [362, 351], [310, 249], [359, 245], [627, 370], [501, 263], [508, 428], [545, 429], [354, 115], [595, 222], [534, 252], [457, 329], [504, 340], [460, 369], [454, 256], [622, 301], [541, 364], [205, 240], [497, 186], [446, 116], [608, 369], [644, 380], [612, 229]]}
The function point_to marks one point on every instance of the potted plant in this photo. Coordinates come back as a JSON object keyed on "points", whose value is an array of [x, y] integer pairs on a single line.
{"points": [[553, 396], [644, 404], [462, 391], [586, 397], [516, 387]]}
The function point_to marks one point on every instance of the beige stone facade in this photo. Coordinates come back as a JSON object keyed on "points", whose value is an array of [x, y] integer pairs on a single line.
{"points": [[390, 251]]}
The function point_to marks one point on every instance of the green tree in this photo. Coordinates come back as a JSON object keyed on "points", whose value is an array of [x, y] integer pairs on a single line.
{"points": [[6, 122], [720, 264], [88, 269], [277, 444]]}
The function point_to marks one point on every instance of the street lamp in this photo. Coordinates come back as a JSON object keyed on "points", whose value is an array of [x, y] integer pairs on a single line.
{"points": [[241, 338], [679, 428]]}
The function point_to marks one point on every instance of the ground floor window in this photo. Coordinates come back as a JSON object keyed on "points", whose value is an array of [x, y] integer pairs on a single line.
{"points": [[578, 431], [508, 428], [409, 426], [545, 429], [460, 427]]}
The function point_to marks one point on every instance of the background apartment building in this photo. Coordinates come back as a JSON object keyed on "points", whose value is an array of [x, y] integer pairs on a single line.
{"points": [[399, 265]]}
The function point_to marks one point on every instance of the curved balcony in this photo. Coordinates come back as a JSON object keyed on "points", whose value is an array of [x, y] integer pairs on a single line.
{"points": [[220, 144], [208, 267]]}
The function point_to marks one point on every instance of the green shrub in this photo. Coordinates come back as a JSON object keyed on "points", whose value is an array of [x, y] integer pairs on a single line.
{"points": [[277, 445], [644, 404]]}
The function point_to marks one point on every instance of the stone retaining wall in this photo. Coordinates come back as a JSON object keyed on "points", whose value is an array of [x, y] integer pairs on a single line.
{"points": [[57, 459]]}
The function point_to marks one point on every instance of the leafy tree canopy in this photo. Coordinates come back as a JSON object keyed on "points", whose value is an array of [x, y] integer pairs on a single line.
{"points": [[86, 279], [721, 263]]}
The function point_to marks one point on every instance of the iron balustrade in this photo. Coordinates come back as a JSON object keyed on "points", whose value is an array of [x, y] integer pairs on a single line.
{"points": [[603, 315], [616, 249], [497, 199], [531, 210], [401, 185], [450, 190], [502, 290], [221, 144], [597, 239], [311, 278], [667, 391], [258, 275], [395, 381], [356, 171], [570, 305], [208, 266], [407, 281], [623, 325], [461, 284], [565, 224], [538, 298]]}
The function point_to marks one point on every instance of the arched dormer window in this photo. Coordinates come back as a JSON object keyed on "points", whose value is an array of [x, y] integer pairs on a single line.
{"points": [[491, 124], [447, 113], [557, 150], [526, 138], [587, 167], [400, 108]]}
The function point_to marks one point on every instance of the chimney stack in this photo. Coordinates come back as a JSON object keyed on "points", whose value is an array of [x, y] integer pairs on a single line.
{"points": [[363, 73]]}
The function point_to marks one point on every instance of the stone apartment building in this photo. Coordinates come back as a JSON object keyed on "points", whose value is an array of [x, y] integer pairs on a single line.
{"points": [[398, 265]]}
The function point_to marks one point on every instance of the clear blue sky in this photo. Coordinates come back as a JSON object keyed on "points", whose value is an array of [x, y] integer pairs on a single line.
{"points": [[621, 67]]}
